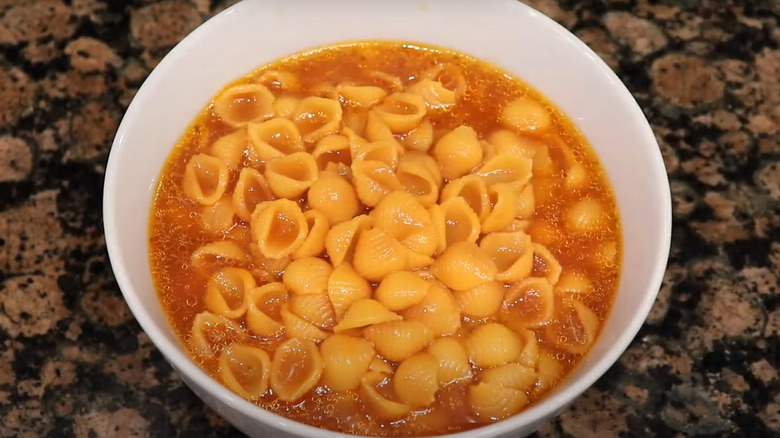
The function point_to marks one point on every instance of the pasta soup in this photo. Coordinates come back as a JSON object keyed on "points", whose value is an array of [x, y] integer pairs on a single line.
{"points": [[385, 239]]}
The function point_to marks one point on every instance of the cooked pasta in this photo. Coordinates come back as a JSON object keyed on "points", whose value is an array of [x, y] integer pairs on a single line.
{"points": [[453, 361], [346, 360], [205, 179], [244, 103], [245, 370], [458, 151], [384, 239], [296, 368], [415, 381]]}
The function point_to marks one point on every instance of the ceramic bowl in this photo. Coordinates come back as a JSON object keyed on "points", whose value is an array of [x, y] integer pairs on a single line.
{"points": [[502, 32]]}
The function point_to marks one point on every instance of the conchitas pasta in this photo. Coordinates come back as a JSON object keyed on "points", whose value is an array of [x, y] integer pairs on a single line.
{"points": [[366, 246]]}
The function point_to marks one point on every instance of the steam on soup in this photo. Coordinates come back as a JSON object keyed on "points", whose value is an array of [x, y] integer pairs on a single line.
{"points": [[385, 239]]}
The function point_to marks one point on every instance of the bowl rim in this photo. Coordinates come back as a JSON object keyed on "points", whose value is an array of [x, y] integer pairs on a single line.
{"points": [[548, 406]]}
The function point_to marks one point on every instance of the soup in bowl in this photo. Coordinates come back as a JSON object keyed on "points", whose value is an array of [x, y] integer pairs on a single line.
{"points": [[350, 231]]}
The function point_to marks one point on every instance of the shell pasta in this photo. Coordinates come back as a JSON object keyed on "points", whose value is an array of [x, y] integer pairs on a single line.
{"points": [[374, 237]]}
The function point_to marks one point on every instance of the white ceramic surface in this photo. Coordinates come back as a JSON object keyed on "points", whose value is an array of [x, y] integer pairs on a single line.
{"points": [[503, 32]]}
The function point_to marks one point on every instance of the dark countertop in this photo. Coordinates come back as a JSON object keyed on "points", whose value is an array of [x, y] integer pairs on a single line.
{"points": [[73, 362]]}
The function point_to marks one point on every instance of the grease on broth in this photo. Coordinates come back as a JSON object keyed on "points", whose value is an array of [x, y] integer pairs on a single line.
{"points": [[385, 239]]}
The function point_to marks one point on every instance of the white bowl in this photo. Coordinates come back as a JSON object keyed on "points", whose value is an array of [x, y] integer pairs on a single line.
{"points": [[503, 32]]}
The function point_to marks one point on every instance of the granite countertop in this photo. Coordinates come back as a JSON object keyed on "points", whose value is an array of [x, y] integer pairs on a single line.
{"points": [[73, 361]]}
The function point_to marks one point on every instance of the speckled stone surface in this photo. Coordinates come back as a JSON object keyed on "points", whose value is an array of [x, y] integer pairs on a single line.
{"points": [[73, 362]]}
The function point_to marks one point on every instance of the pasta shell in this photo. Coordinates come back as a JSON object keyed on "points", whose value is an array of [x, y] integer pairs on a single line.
{"points": [[345, 286], [415, 381], [373, 180], [292, 175], [576, 177], [211, 333], [403, 217], [274, 139], [317, 117], [575, 328], [298, 328], [550, 372], [507, 142], [267, 270], [376, 128], [386, 80], [529, 303], [380, 406], [529, 355], [495, 402], [481, 301], [223, 251], [263, 316], [526, 202], [332, 149], [512, 253], [314, 244], [334, 197], [361, 95], [454, 221], [525, 115], [313, 308], [420, 138], [450, 76], [346, 360], [227, 292], [401, 289], [420, 175], [284, 106], [365, 312], [571, 282], [205, 179], [296, 369], [511, 375], [491, 345], [218, 217], [308, 276], [489, 150], [507, 169], [584, 216], [245, 370], [503, 208], [279, 228], [437, 311], [386, 151], [379, 365], [415, 260], [453, 360], [458, 152], [546, 263], [231, 148], [244, 103], [518, 225], [251, 189], [398, 340], [342, 237], [402, 111], [280, 80], [474, 190], [378, 253], [356, 142], [435, 95], [462, 266], [355, 118]]}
